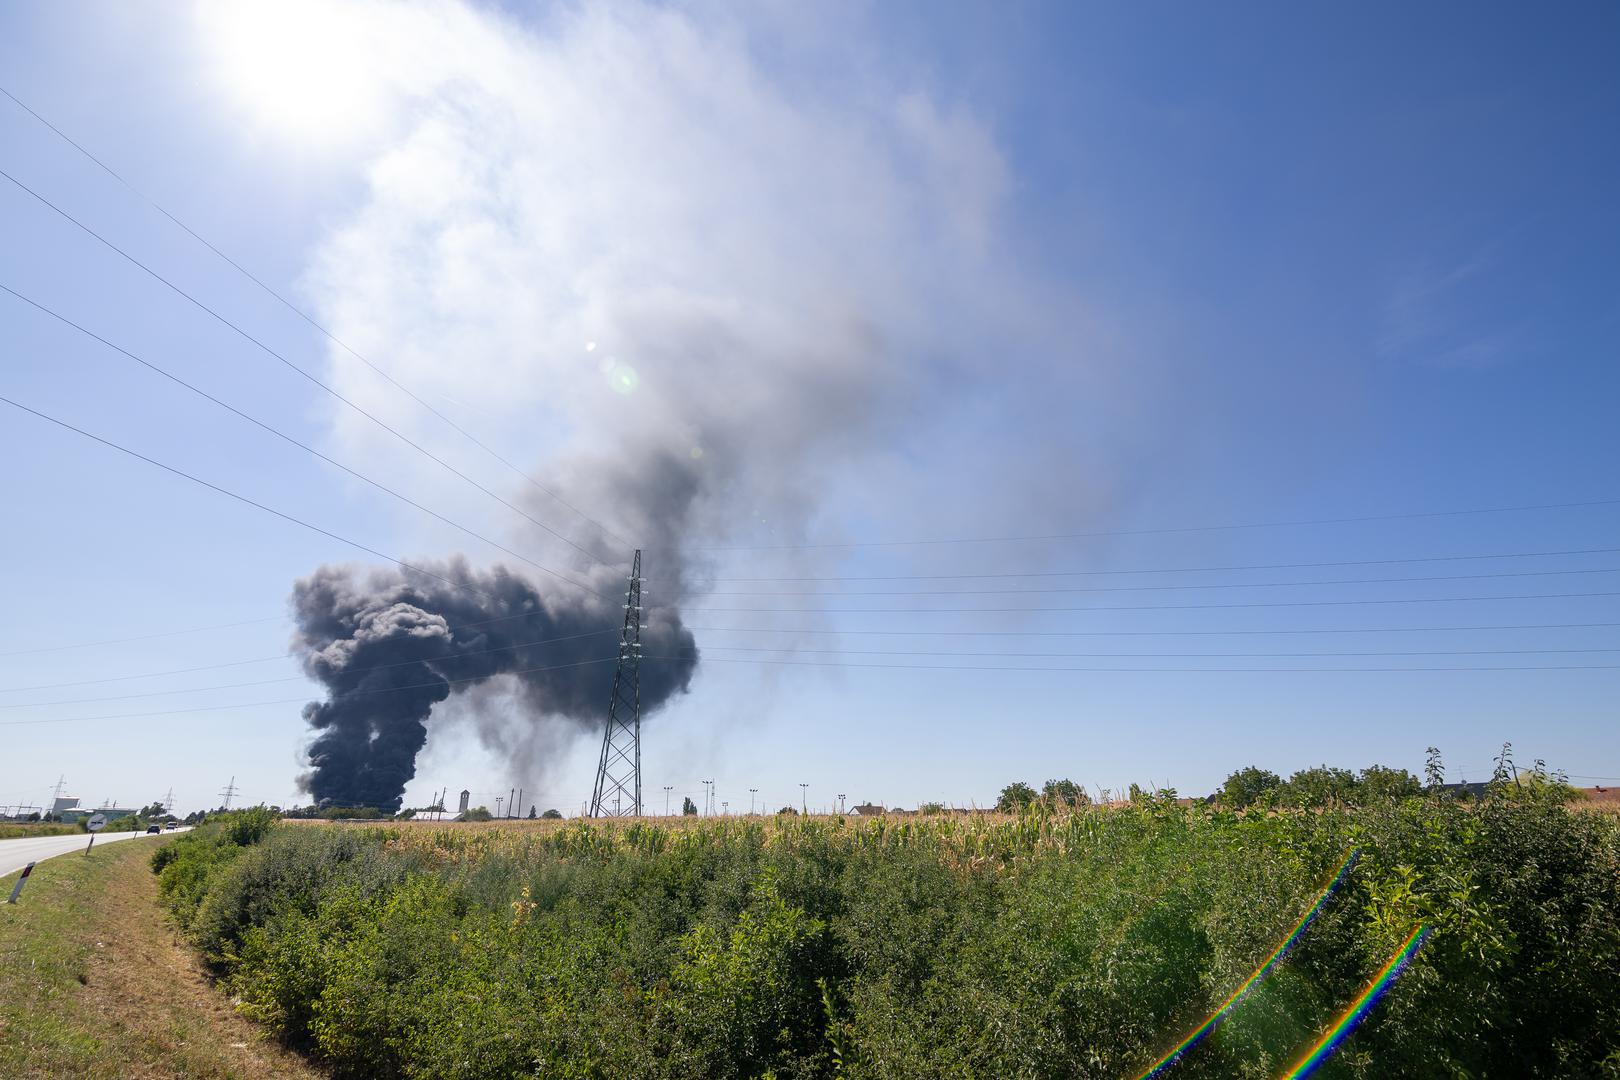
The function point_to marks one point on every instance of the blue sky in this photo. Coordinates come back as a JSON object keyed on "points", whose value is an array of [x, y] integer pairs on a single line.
{"points": [[911, 272]]}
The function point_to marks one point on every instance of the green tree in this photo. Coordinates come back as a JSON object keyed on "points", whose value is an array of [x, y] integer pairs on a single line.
{"points": [[478, 813], [688, 807], [1382, 782], [1248, 786], [1015, 797], [1434, 769], [1323, 785], [552, 815], [1064, 793]]}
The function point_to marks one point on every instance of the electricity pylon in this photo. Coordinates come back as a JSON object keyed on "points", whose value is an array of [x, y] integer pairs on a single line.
{"points": [[618, 774]]}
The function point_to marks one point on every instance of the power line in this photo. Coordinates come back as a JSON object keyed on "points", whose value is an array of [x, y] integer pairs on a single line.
{"points": [[280, 618], [842, 664], [298, 700], [139, 637], [707, 649], [424, 451], [1137, 670], [244, 499], [289, 656], [278, 433], [202, 629], [138, 193], [298, 678], [1165, 531], [1137, 607], [1174, 569], [1045, 589], [894, 633], [1144, 633]]}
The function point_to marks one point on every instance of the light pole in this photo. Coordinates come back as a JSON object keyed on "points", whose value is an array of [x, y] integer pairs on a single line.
{"points": [[751, 793], [725, 808], [498, 800], [804, 799], [840, 802], [667, 788]]}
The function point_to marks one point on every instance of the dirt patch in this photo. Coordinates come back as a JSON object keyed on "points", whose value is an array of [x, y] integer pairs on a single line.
{"points": [[114, 992]]}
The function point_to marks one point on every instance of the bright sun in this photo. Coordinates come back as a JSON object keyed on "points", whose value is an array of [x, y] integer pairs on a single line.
{"points": [[307, 69]]}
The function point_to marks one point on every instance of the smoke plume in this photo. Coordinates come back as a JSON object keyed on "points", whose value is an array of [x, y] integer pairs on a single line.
{"points": [[697, 299], [389, 645]]}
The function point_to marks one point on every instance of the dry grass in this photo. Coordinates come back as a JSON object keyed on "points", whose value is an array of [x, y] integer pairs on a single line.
{"points": [[94, 983], [11, 830]]}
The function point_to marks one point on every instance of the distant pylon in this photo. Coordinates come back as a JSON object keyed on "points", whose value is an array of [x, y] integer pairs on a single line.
{"points": [[228, 794], [618, 774], [168, 801]]}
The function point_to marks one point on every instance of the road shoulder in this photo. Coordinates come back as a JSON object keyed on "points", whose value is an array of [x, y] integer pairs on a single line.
{"points": [[94, 983]]}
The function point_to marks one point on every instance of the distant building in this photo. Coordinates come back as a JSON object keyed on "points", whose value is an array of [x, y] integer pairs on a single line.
{"points": [[64, 802], [867, 809], [465, 796], [111, 813]]}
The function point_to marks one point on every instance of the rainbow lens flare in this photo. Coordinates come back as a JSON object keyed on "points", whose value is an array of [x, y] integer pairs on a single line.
{"points": [[1214, 1020], [1353, 1016]]}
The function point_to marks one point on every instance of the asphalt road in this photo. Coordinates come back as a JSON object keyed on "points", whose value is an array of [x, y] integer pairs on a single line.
{"points": [[16, 854]]}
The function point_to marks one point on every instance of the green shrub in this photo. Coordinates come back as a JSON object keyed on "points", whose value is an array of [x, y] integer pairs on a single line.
{"points": [[1057, 942]]}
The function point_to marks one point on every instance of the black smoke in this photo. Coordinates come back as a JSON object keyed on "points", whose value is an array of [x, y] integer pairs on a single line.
{"points": [[390, 644]]}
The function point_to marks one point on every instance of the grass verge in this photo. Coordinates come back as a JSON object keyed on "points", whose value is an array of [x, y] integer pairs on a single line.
{"points": [[95, 984], [13, 830]]}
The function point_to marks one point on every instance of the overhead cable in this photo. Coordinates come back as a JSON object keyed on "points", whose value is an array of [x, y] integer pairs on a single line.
{"points": [[278, 433], [419, 448], [927, 541], [296, 310]]}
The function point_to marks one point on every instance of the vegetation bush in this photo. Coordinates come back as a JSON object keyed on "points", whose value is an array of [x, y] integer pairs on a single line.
{"points": [[1059, 942]]}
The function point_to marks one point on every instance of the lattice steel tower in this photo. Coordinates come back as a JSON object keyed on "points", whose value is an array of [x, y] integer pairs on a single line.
{"points": [[618, 775]]}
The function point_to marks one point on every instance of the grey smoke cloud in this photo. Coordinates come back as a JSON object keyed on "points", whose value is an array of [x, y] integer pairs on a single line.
{"points": [[692, 295], [391, 645]]}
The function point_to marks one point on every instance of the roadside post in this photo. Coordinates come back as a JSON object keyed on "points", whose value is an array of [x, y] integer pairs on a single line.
{"points": [[17, 890], [96, 823]]}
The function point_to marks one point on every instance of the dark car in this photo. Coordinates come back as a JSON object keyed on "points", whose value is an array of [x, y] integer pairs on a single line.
{"points": [[154, 828]]}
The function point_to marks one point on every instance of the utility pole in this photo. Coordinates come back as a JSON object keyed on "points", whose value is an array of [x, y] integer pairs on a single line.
{"points": [[667, 788], [618, 773], [804, 796], [751, 793], [228, 794], [511, 804]]}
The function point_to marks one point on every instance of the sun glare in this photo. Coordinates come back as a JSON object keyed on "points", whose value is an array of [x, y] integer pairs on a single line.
{"points": [[306, 69]]}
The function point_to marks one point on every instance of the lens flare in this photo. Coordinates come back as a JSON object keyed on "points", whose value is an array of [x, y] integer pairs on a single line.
{"points": [[1347, 1023], [1219, 1015]]}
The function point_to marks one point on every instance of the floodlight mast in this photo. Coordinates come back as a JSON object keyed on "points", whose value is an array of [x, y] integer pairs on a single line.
{"points": [[618, 772]]}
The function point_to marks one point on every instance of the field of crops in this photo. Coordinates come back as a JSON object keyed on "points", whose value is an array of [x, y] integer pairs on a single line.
{"points": [[1085, 943]]}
